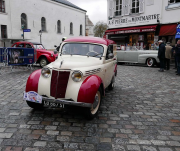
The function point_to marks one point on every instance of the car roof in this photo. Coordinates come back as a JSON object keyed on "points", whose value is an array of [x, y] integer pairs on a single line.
{"points": [[35, 43], [97, 40]]}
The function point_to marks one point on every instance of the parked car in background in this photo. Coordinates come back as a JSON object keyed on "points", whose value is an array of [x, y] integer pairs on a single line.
{"points": [[42, 56], [85, 67], [148, 57]]}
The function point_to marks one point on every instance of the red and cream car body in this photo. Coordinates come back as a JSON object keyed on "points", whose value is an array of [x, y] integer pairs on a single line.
{"points": [[85, 67]]}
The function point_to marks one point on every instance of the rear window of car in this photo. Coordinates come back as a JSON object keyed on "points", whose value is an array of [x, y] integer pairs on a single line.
{"points": [[38, 46], [83, 49]]}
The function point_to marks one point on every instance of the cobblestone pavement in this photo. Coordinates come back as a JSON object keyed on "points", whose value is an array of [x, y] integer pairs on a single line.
{"points": [[140, 114]]}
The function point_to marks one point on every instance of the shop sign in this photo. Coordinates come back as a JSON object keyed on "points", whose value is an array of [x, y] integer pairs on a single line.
{"points": [[134, 20]]}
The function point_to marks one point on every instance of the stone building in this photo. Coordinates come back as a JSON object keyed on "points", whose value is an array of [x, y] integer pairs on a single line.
{"points": [[45, 20], [140, 22], [89, 27]]}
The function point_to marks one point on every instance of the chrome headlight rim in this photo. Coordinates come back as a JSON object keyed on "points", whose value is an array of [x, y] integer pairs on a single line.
{"points": [[46, 72], [75, 77]]}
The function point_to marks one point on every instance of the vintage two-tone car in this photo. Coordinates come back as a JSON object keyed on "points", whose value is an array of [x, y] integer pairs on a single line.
{"points": [[148, 57], [85, 67]]}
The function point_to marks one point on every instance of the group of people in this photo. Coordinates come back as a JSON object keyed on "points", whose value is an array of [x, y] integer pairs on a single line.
{"points": [[164, 54]]}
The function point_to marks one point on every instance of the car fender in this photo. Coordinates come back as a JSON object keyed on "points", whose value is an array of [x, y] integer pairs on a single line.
{"points": [[48, 57], [88, 89], [33, 80], [143, 57]]}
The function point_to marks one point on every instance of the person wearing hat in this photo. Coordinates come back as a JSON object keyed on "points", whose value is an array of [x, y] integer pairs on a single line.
{"points": [[161, 55], [168, 51]]}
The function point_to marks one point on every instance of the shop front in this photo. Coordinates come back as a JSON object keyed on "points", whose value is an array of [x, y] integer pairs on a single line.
{"points": [[141, 37], [167, 33]]}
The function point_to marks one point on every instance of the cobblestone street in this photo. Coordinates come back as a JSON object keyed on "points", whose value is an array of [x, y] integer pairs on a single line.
{"points": [[142, 113]]}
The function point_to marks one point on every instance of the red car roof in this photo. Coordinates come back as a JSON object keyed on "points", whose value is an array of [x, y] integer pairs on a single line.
{"points": [[90, 40]]}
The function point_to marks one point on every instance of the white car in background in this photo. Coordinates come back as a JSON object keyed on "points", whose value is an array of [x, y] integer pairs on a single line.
{"points": [[148, 57]]}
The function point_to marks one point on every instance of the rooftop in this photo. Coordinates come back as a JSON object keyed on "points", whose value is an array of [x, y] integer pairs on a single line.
{"points": [[65, 2]]}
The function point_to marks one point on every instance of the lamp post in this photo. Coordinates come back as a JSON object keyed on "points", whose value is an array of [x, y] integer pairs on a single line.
{"points": [[40, 33]]}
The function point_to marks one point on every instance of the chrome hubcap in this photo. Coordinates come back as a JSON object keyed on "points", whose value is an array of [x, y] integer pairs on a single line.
{"points": [[43, 63], [96, 103], [150, 62]]}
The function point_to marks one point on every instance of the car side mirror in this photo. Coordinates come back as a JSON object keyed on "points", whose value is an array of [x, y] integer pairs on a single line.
{"points": [[55, 51], [110, 56]]}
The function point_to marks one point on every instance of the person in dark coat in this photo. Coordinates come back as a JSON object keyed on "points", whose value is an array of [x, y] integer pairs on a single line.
{"points": [[177, 54], [161, 55]]}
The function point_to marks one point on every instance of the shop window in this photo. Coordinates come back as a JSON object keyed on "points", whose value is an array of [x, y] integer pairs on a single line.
{"points": [[80, 29], [43, 24], [58, 26], [118, 8], [3, 31], [2, 6], [135, 6], [71, 28], [23, 21]]}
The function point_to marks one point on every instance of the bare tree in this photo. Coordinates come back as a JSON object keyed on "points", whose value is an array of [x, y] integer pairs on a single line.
{"points": [[99, 29]]}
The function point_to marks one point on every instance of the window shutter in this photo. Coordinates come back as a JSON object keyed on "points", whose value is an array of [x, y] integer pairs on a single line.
{"points": [[123, 7], [141, 6], [126, 7]]}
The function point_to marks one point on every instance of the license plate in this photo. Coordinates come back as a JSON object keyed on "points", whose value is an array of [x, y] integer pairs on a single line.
{"points": [[32, 97], [51, 104]]}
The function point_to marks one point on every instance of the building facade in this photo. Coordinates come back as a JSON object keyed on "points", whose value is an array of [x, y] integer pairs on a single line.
{"points": [[46, 21], [142, 22], [89, 27]]}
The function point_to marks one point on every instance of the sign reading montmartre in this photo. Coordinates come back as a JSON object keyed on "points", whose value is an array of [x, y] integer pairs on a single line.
{"points": [[148, 19]]}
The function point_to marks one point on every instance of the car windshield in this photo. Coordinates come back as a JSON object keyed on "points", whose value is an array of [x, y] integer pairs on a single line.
{"points": [[38, 46], [83, 49]]}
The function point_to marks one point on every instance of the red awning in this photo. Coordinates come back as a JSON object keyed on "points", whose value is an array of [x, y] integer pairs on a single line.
{"points": [[168, 30], [137, 29]]}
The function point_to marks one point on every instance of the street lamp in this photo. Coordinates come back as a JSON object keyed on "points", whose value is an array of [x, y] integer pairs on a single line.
{"points": [[40, 33]]}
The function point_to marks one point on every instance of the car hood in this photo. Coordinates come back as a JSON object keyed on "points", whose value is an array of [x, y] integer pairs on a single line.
{"points": [[72, 62]]}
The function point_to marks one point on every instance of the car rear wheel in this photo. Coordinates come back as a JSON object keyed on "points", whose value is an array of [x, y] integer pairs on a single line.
{"points": [[43, 62], [150, 62], [34, 105], [92, 112]]}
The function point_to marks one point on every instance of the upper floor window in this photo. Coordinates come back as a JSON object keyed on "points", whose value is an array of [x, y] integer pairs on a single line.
{"points": [[2, 6], [135, 6], [71, 28], [174, 1], [58, 26], [3, 31], [43, 24], [118, 7], [80, 29], [23, 21]]}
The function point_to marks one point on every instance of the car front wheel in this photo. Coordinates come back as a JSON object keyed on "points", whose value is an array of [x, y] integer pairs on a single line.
{"points": [[92, 112], [43, 62], [150, 62]]}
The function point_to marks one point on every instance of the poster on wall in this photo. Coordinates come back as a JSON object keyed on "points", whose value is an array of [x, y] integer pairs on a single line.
{"points": [[156, 39], [141, 37]]}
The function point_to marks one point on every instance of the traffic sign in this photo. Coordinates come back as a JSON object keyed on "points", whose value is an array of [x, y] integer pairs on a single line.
{"points": [[26, 30]]}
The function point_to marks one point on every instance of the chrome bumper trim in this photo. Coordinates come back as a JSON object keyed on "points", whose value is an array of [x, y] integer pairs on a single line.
{"points": [[68, 102]]}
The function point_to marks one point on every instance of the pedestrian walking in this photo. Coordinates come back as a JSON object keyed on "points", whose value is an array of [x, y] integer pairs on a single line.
{"points": [[168, 51], [161, 55], [177, 54]]}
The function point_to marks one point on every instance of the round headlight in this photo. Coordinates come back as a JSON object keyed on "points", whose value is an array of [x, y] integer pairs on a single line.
{"points": [[77, 76], [45, 72]]}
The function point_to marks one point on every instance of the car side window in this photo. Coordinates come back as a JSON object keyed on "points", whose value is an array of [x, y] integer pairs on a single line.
{"points": [[21, 45], [14, 46], [109, 50], [28, 46]]}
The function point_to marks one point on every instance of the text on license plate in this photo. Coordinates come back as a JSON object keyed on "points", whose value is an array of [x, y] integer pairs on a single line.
{"points": [[52, 104]]}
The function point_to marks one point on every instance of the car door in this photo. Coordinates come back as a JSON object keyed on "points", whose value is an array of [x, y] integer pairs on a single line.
{"points": [[109, 66], [120, 55], [131, 56]]}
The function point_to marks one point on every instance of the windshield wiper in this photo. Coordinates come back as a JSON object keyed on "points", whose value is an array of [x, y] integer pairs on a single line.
{"points": [[97, 55]]}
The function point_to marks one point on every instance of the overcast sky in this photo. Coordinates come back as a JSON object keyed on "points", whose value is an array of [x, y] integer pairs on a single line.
{"points": [[96, 9]]}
